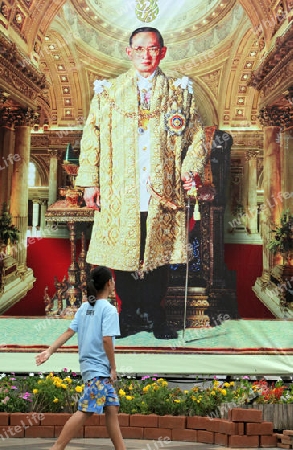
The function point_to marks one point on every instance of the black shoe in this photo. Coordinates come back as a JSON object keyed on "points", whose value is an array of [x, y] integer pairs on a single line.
{"points": [[129, 325], [164, 331]]}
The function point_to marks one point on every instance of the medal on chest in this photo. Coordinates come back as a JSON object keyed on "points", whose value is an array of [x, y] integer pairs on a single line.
{"points": [[175, 122], [144, 97]]}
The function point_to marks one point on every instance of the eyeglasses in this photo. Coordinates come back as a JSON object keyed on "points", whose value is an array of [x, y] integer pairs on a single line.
{"points": [[139, 51]]}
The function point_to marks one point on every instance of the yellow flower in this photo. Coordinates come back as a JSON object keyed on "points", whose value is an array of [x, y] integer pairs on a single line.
{"points": [[130, 387], [146, 388], [224, 392], [129, 397], [232, 383], [162, 382], [63, 385], [213, 393], [186, 392], [68, 380], [78, 389], [216, 383], [35, 391], [121, 393], [56, 400], [40, 381], [226, 384]]}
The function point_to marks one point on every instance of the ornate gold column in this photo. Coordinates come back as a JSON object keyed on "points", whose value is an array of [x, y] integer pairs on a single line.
{"points": [[43, 212], [273, 78], [53, 181], [19, 197], [277, 193], [287, 168], [245, 191], [36, 210], [7, 139], [23, 82], [251, 194], [272, 187]]}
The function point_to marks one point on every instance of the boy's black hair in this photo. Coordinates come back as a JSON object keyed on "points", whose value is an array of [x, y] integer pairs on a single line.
{"points": [[99, 276]]}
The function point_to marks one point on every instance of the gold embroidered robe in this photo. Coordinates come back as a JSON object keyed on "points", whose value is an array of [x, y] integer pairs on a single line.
{"points": [[109, 160]]}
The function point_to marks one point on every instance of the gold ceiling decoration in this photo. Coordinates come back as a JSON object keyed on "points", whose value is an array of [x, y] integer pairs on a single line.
{"points": [[147, 11]]}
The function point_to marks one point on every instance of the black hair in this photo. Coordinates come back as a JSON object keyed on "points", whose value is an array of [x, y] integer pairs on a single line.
{"points": [[98, 278], [147, 30]]}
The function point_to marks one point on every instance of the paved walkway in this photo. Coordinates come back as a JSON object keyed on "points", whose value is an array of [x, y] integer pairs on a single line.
{"points": [[105, 444]]}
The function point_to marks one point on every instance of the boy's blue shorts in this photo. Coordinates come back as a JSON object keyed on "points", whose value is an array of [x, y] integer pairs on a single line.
{"points": [[98, 393]]}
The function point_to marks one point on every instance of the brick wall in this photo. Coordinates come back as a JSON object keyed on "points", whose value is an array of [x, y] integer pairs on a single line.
{"points": [[243, 428]]}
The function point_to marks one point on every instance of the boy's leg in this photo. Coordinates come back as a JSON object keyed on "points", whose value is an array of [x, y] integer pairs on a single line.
{"points": [[72, 425], [112, 423]]}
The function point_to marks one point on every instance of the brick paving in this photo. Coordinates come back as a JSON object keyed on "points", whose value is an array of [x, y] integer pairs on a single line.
{"points": [[105, 444]]}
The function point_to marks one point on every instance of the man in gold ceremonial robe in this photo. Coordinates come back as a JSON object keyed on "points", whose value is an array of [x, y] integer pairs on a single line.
{"points": [[141, 147]]}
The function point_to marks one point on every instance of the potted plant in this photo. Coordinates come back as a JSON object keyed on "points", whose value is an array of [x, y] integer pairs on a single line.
{"points": [[282, 241], [8, 232]]}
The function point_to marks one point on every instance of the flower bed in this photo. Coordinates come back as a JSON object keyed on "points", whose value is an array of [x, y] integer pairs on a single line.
{"points": [[209, 412], [59, 393]]}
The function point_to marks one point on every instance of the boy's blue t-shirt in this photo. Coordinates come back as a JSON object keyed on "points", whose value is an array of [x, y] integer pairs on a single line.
{"points": [[92, 323]]}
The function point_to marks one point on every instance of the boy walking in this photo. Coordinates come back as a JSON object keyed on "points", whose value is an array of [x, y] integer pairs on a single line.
{"points": [[97, 324]]}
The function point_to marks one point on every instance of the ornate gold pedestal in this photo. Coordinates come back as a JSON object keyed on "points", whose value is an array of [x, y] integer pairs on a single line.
{"points": [[197, 304], [72, 292]]}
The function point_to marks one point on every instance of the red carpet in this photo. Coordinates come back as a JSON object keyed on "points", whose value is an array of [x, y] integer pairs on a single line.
{"points": [[246, 260], [51, 257]]}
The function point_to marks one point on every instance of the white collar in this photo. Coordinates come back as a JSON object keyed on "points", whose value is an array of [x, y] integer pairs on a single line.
{"points": [[145, 82]]}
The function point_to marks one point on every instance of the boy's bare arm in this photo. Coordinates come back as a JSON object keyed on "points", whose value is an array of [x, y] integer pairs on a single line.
{"points": [[45, 355], [109, 349]]}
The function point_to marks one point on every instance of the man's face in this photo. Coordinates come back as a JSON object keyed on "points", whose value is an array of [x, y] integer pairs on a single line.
{"points": [[146, 53]]}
